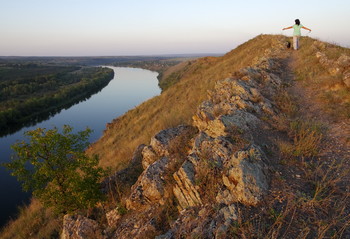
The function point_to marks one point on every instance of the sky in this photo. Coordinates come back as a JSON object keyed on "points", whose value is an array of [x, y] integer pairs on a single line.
{"points": [[153, 27]]}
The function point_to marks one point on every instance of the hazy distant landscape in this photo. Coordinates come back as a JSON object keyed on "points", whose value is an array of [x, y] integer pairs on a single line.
{"points": [[33, 88], [174, 119], [29, 91]]}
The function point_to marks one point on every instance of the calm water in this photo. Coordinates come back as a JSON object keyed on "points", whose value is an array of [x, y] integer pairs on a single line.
{"points": [[129, 88]]}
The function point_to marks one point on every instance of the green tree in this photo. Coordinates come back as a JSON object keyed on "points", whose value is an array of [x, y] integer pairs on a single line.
{"points": [[55, 168]]}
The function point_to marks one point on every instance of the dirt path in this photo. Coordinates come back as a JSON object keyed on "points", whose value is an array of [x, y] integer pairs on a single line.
{"points": [[336, 144]]}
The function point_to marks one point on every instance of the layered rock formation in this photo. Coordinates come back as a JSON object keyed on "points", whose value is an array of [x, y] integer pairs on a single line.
{"points": [[224, 164]]}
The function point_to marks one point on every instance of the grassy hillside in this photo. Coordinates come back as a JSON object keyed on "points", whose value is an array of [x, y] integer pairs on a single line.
{"points": [[175, 105], [300, 138], [325, 80]]}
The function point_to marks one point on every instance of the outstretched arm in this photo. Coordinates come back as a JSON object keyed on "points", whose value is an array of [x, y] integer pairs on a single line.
{"points": [[306, 28], [287, 28]]}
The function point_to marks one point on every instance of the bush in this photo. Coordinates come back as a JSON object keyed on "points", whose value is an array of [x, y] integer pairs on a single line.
{"points": [[54, 166]]}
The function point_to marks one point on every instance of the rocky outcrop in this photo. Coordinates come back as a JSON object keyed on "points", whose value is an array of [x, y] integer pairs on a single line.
{"points": [[163, 144], [138, 225], [113, 217], [150, 187], [159, 162], [334, 67], [207, 224], [243, 174], [222, 166], [346, 78], [184, 189], [245, 177], [79, 227], [149, 156]]}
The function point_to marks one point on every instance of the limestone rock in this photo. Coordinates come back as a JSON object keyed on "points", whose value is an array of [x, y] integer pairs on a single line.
{"points": [[184, 189], [225, 197], [320, 45], [161, 142], [79, 227], [237, 104], [322, 57], [246, 176], [113, 217], [148, 156], [256, 95], [144, 224], [149, 188], [229, 212], [158, 163], [346, 78], [206, 147], [332, 66], [227, 124], [343, 61], [202, 223]]}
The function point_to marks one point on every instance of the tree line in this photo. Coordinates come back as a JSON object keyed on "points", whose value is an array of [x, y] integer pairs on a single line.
{"points": [[29, 90]]}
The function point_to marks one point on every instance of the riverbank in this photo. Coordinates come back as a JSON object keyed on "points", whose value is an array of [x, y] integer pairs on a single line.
{"points": [[34, 93], [128, 88]]}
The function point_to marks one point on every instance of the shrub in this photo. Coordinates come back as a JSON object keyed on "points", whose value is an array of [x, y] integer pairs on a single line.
{"points": [[54, 166]]}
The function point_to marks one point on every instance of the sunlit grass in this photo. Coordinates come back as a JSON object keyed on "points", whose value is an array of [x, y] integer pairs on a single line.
{"points": [[176, 105]]}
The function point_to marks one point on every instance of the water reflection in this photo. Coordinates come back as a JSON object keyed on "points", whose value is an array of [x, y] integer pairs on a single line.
{"points": [[40, 117], [129, 88]]}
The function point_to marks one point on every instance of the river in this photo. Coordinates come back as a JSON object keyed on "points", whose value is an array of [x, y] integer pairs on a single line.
{"points": [[128, 88]]}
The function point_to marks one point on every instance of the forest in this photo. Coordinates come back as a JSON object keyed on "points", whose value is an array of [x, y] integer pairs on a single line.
{"points": [[31, 91]]}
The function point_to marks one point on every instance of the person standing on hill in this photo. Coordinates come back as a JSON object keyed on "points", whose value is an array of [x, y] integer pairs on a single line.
{"points": [[297, 33]]}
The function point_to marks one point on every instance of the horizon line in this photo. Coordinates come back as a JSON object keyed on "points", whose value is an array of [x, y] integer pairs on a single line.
{"points": [[110, 56]]}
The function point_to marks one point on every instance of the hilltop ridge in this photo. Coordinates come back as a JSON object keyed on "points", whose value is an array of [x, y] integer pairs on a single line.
{"points": [[248, 161], [253, 144]]}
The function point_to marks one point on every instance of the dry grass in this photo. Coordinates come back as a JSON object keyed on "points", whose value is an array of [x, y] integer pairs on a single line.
{"points": [[174, 106], [315, 203], [35, 222], [320, 212], [286, 103], [307, 137], [328, 89]]}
